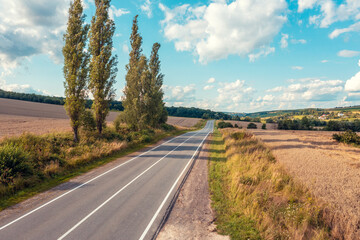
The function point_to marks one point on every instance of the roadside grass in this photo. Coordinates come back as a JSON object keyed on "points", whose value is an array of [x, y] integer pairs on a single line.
{"points": [[254, 197], [52, 159]]}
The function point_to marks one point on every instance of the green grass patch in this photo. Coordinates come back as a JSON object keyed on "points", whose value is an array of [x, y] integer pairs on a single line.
{"points": [[254, 197], [52, 159]]}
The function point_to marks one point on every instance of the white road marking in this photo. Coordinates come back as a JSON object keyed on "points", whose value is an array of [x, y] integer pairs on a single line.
{"points": [[119, 191], [66, 193], [168, 194]]}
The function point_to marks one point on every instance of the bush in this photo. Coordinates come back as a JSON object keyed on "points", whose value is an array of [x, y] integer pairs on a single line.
{"points": [[223, 124], [252, 126], [14, 162], [236, 125], [263, 126], [88, 121], [348, 137]]}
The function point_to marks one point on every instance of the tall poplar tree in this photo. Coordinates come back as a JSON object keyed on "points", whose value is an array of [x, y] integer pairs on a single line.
{"points": [[157, 113], [102, 64], [135, 76], [76, 61]]}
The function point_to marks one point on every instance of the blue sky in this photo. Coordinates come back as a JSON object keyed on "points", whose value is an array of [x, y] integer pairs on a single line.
{"points": [[239, 55]]}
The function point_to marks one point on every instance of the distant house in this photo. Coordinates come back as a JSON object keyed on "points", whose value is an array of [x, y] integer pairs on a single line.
{"points": [[323, 117], [341, 115]]}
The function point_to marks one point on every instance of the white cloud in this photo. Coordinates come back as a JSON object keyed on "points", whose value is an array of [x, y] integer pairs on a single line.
{"points": [[324, 61], [348, 53], [353, 84], [261, 52], [305, 4], [114, 12], [297, 68], [352, 28], [275, 89], [125, 48], [208, 87], [352, 97], [218, 30], [298, 41], [31, 27], [211, 80], [330, 11], [177, 95], [233, 93], [284, 40], [146, 8], [21, 88]]}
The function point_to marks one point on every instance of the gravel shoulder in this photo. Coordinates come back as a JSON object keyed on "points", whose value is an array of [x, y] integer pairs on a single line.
{"points": [[329, 169], [192, 216]]}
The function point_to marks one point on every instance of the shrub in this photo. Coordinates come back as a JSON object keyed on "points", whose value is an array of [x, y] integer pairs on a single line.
{"points": [[252, 126], [88, 121], [14, 162], [348, 137], [236, 125], [223, 124], [263, 126]]}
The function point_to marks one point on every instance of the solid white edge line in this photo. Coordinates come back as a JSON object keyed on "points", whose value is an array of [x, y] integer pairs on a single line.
{"points": [[114, 195], [168, 194], [81, 185]]}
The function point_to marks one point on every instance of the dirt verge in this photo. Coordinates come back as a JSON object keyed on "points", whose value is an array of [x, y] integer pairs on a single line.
{"points": [[192, 216]]}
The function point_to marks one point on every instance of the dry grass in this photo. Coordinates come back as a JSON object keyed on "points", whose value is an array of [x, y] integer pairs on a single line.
{"points": [[254, 196], [329, 169]]}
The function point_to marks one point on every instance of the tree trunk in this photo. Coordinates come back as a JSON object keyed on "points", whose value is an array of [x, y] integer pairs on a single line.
{"points": [[76, 136]]}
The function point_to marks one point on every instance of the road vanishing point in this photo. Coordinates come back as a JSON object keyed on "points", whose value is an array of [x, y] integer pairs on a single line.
{"points": [[127, 201]]}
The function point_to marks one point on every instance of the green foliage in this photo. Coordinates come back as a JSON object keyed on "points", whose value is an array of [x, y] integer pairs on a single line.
{"points": [[348, 137], [251, 126], [14, 162], [155, 107], [75, 65], [196, 113], [133, 99], [88, 121], [223, 124], [263, 126], [102, 64]]}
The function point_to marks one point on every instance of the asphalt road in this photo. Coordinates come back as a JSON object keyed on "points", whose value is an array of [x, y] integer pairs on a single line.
{"points": [[126, 202]]}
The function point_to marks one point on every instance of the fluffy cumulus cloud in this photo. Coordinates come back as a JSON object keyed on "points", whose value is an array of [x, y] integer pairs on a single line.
{"points": [[348, 53], [25, 88], [330, 11], [219, 29], [231, 95], [179, 95], [208, 87], [30, 27], [211, 80], [353, 84]]}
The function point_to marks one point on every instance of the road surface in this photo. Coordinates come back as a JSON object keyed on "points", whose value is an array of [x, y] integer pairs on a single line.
{"points": [[127, 201]]}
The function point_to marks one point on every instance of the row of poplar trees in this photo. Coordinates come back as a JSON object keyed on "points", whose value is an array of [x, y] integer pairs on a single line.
{"points": [[94, 68]]}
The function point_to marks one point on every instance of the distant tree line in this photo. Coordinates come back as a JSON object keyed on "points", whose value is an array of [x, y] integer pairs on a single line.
{"points": [[31, 97], [196, 113], [314, 124]]}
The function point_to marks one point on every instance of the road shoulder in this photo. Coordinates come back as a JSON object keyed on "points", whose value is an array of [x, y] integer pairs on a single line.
{"points": [[192, 216]]}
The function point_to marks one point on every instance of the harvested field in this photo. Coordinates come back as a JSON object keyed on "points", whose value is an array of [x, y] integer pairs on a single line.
{"points": [[183, 122], [17, 117], [329, 169]]}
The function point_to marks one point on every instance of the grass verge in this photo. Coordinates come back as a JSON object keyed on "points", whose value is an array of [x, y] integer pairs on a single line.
{"points": [[52, 159], [252, 195]]}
